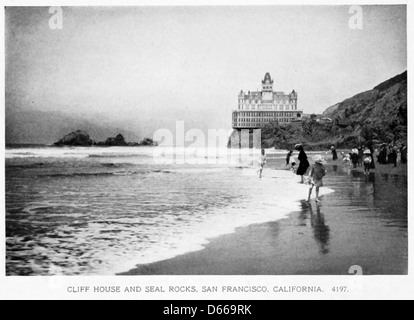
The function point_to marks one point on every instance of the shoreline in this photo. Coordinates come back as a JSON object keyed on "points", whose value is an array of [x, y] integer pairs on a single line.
{"points": [[313, 241]]}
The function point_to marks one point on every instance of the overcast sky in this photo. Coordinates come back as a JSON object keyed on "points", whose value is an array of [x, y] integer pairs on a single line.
{"points": [[191, 62]]}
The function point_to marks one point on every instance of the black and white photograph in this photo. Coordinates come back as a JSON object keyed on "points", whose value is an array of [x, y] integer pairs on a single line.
{"points": [[188, 141]]}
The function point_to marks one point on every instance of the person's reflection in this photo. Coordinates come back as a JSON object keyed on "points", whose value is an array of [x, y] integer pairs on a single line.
{"points": [[370, 190], [303, 215], [320, 229]]}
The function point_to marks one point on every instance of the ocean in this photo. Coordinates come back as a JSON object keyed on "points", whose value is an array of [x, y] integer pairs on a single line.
{"points": [[99, 211]]}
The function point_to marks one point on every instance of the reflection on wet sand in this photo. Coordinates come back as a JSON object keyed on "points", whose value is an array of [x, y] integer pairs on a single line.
{"points": [[321, 232]]}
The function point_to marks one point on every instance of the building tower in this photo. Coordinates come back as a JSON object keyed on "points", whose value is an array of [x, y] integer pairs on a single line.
{"points": [[267, 88]]}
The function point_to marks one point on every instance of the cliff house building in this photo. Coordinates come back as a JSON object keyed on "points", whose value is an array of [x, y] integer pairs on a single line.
{"points": [[258, 108]]}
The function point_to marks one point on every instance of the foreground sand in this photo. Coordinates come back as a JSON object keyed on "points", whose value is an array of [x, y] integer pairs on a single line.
{"points": [[356, 225]]}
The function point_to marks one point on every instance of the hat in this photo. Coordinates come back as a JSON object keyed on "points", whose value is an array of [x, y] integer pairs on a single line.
{"points": [[319, 159], [367, 151], [332, 147]]}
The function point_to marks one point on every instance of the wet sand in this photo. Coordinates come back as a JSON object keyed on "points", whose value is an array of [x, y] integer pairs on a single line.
{"points": [[364, 222]]}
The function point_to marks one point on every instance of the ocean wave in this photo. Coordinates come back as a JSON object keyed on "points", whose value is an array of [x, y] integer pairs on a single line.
{"points": [[103, 173], [117, 155]]}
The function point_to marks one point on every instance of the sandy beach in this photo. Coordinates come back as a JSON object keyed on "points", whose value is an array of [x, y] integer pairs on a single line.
{"points": [[364, 223]]}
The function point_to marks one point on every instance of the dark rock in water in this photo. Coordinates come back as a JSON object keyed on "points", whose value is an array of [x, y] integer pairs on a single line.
{"points": [[118, 141], [81, 138], [148, 142], [133, 144], [77, 138]]}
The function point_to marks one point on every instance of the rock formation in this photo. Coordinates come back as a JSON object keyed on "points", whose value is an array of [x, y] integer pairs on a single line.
{"points": [[77, 138]]}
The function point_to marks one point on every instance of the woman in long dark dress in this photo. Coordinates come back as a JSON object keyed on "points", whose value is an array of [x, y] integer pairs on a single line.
{"points": [[303, 162], [334, 153], [382, 157]]}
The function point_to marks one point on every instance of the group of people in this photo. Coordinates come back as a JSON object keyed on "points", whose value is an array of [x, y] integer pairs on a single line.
{"points": [[359, 157], [316, 173], [364, 157], [392, 154]]}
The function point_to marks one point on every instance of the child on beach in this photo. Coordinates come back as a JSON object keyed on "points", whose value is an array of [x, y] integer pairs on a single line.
{"points": [[367, 161], [290, 161], [346, 158], [288, 156], [292, 165], [262, 162], [316, 174]]}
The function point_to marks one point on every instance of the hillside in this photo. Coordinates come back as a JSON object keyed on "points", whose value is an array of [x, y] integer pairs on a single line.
{"points": [[377, 115]]}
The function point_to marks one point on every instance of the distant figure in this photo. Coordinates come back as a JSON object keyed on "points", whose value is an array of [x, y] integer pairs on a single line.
{"points": [[361, 155], [303, 162], [334, 153], [354, 157], [371, 149], [390, 154], [346, 158], [290, 161], [315, 176], [292, 165], [367, 161], [399, 154], [382, 156], [403, 152], [288, 157], [394, 156], [262, 162]]}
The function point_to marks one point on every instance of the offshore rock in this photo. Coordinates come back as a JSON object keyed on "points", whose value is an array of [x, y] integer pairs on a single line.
{"points": [[77, 138]]}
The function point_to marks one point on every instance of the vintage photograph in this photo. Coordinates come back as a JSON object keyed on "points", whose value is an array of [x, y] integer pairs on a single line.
{"points": [[206, 140]]}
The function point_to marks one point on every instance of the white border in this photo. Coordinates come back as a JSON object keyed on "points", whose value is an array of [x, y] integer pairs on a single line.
{"points": [[367, 287]]}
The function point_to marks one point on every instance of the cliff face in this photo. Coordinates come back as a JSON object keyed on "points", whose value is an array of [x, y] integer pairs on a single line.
{"points": [[382, 110], [377, 115]]}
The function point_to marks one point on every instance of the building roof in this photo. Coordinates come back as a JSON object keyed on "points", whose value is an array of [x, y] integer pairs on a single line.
{"points": [[267, 79]]}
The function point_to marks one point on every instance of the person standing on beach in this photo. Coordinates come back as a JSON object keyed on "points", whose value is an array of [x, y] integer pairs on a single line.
{"points": [[394, 156], [303, 162], [361, 155], [262, 162], [382, 156], [367, 161], [354, 157], [403, 152], [334, 153], [390, 154], [315, 177], [288, 157], [370, 147]]}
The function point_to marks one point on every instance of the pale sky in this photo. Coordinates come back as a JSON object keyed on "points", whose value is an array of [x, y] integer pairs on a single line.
{"points": [[189, 63]]}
